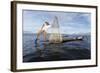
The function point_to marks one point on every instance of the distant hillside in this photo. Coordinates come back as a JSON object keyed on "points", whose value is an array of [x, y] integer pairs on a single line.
{"points": [[81, 34]]}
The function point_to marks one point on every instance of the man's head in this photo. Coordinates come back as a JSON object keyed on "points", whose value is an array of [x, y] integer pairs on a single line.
{"points": [[47, 23]]}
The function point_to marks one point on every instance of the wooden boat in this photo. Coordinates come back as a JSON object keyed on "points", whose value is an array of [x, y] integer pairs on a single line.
{"points": [[80, 38], [65, 39]]}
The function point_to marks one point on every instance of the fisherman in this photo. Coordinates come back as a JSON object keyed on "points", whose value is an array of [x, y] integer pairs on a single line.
{"points": [[43, 30]]}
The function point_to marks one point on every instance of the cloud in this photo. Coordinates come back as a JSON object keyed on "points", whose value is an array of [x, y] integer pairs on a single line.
{"points": [[69, 21]]}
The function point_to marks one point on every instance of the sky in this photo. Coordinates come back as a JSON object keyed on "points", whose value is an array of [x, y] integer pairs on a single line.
{"points": [[69, 22]]}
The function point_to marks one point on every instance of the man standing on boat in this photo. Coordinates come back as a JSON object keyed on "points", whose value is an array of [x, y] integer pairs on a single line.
{"points": [[43, 30]]}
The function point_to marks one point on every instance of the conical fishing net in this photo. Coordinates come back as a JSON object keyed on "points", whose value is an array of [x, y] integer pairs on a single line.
{"points": [[55, 36]]}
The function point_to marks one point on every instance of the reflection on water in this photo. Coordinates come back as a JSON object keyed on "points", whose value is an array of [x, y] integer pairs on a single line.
{"points": [[40, 50], [44, 51]]}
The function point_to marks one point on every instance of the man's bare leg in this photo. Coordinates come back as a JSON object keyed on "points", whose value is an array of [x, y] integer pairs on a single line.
{"points": [[44, 35], [38, 35]]}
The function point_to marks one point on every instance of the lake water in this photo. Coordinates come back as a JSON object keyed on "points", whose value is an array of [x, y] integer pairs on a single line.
{"points": [[75, 50]]}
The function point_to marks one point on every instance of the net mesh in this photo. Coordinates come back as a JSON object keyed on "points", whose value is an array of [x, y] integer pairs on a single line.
{"points": [[55, 36]]}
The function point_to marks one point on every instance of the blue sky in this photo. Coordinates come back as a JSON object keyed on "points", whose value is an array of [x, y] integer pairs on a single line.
{"points": [[70, 22]]}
